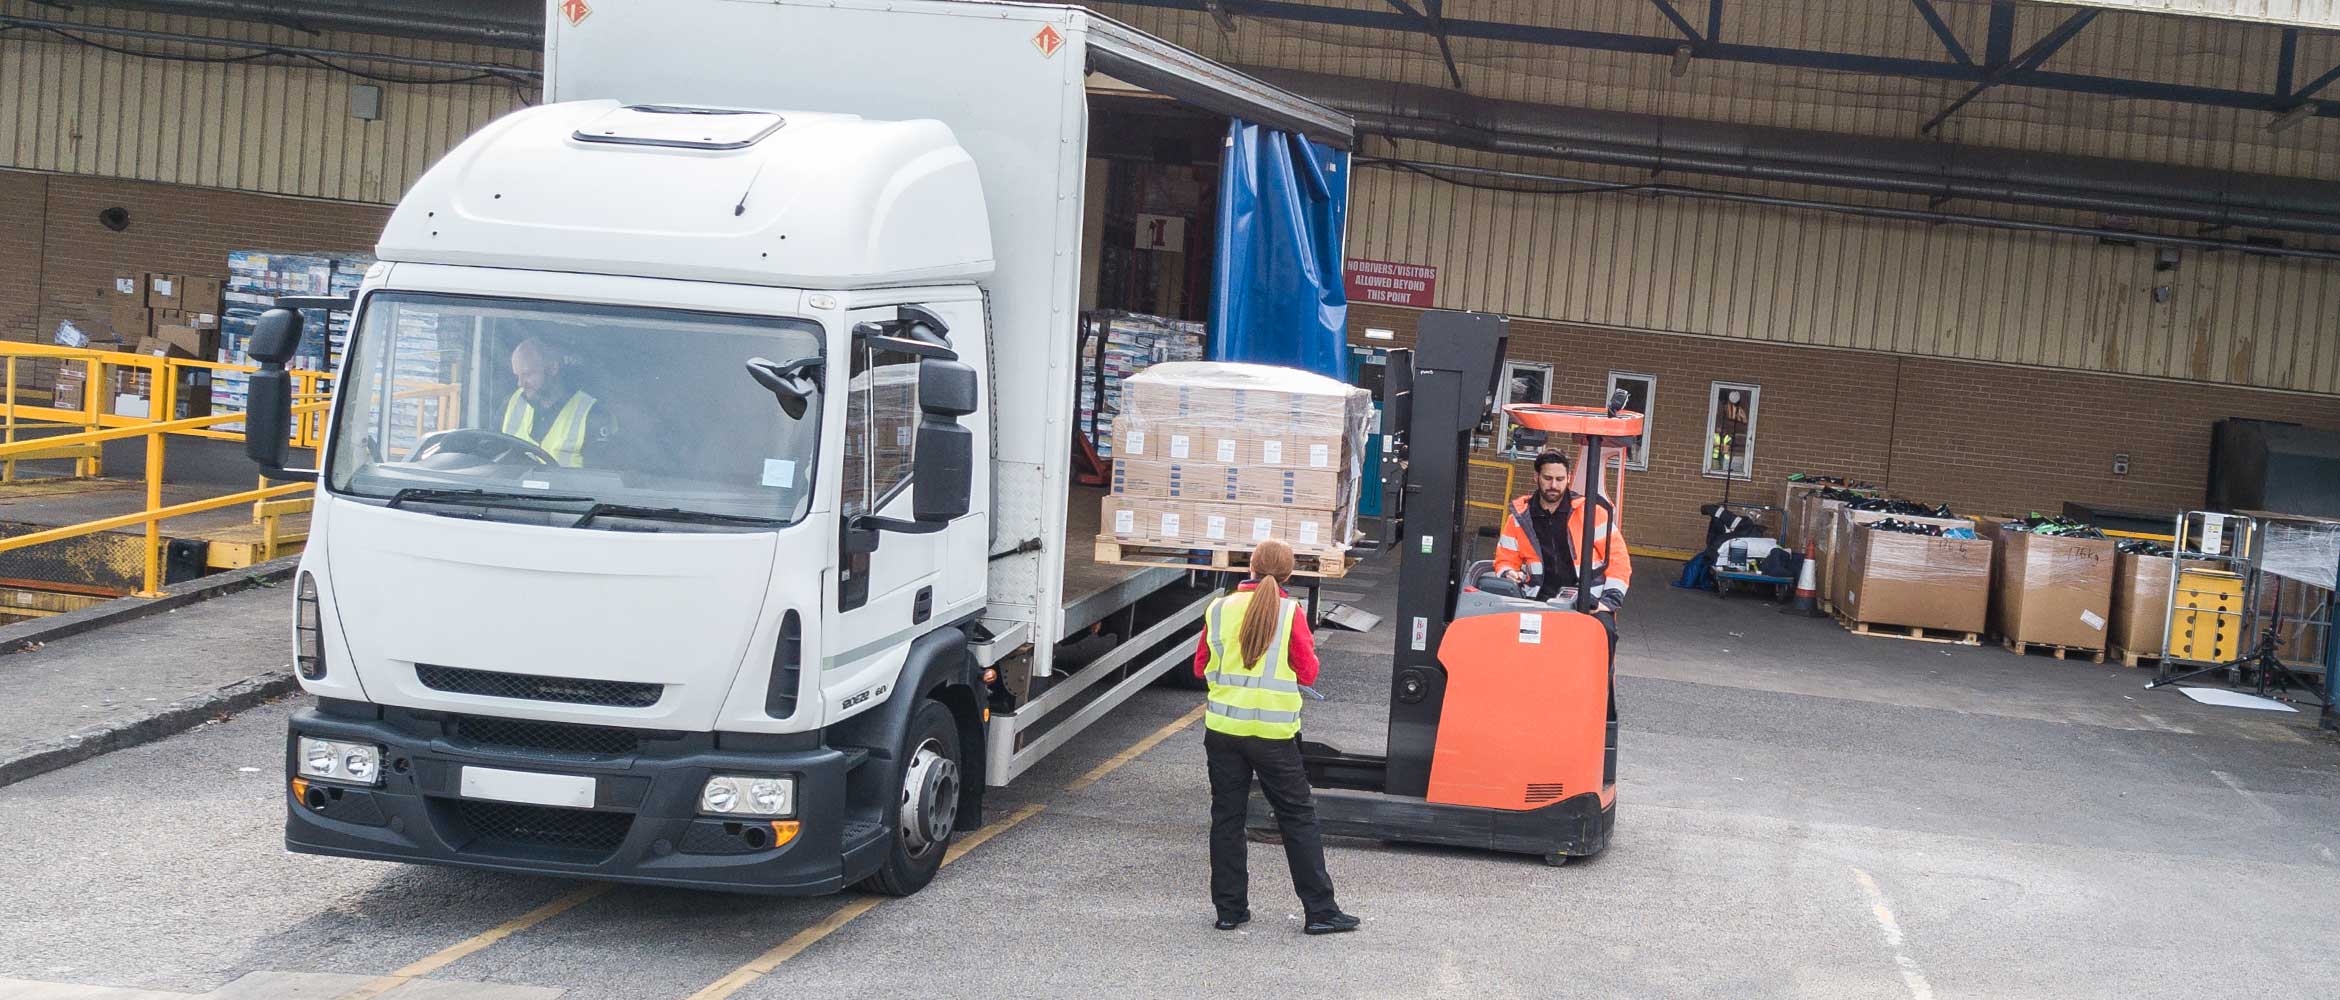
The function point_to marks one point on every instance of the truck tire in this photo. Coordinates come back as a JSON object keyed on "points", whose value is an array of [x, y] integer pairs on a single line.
{"points": [[926, 812]]}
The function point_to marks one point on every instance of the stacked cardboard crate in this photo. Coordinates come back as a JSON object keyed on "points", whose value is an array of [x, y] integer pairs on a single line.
{"points": [[2053, 592], [256, 279], [1924, 583], [158, 314], [1120, 345], [1221, 456]]}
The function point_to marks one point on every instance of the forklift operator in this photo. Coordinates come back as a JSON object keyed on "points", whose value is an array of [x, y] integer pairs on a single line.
{"points": [[550, 412], [1539, 542]]}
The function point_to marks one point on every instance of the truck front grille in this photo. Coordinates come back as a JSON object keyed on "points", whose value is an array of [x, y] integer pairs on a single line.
{"points": [[530, 687], [548, 737], [494, 825]]}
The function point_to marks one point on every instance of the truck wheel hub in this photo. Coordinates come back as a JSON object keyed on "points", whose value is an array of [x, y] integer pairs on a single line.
{"points": [[930, 798]]}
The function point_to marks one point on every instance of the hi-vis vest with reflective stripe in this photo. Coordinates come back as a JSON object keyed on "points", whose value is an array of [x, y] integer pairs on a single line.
{"points": [[1260, 699], [565, 439]]}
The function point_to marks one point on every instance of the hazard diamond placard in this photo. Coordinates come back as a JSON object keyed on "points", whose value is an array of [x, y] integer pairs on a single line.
{"points": [[575, 11], [1048, 40]]}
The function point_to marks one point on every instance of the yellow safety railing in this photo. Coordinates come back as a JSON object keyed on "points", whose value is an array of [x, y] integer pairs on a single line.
{"points": [[156, 433], [1510, 476], [95, 375]]}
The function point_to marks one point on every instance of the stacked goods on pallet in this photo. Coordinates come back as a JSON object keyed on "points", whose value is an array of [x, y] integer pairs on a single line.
{"points": [[1221, 455], [1918, 573], [1119, 345], [2055, 585], [153, 313], [1799, 490], [1816, 528], [2140, 600], [256, 279]]}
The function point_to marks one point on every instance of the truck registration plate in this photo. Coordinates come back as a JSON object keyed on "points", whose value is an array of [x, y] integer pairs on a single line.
{"points": [[572, 791]]}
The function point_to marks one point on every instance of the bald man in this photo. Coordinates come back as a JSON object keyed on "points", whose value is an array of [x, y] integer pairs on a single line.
{"points": [[550, 413]]}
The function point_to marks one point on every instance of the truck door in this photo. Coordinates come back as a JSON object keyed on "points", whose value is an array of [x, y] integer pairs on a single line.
{"points": [[889, 589]]}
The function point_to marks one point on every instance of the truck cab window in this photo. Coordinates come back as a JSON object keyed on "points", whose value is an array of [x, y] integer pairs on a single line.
{"points": [[881, 428], [584, 406]]}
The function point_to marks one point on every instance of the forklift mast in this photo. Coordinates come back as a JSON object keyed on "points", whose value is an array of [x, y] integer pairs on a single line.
{"points": [[1436, 403]]}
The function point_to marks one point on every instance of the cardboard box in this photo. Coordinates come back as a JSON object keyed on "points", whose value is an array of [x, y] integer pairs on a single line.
{"points": [[190, 342], [1320, 532], [2055, 591], [1837, 566], [157, 347], [163, 290], [128, 320], [1920, 581], [1151, 521], [1216, 483], [2140, 602], [1292, 449], [129, 287], [1176, 441]]}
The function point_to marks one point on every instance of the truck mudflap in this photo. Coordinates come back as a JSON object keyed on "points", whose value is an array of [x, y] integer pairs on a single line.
{"points": [[642, 825]]}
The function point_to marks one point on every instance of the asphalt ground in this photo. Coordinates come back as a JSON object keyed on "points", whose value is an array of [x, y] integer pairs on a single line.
{"points": [[1802, 812]]}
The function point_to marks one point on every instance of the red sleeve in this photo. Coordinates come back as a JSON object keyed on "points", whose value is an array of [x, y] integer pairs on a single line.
{"points": [[1303, 649], [1202, 653]]}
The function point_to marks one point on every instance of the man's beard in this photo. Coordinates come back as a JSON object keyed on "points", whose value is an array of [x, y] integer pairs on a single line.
{"points": [[1550, 497]]}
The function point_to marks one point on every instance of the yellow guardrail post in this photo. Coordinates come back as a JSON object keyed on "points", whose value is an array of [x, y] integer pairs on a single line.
{"points": [[154, 479], [8, 470]]}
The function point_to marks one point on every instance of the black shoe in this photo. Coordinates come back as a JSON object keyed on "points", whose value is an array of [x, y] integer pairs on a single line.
{"points": [[1230, 923], [1335, 922]]}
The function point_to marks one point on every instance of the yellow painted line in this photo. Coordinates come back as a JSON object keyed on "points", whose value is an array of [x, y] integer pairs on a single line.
{"points": [[1135, 750], [450, 954], [762, 965]]}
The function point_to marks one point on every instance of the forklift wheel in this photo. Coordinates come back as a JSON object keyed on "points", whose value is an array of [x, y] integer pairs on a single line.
{"points": [[1556, 860]]}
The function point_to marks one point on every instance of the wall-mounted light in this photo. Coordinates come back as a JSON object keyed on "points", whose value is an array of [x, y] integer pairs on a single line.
{"points": [[116, 218], [2299, 113], [1374, 333], [1681, 61]]}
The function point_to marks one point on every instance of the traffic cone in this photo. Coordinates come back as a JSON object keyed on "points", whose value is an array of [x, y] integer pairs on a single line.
{"points": [[1807, 602]]}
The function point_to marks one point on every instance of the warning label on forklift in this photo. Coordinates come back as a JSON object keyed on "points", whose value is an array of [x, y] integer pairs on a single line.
{"points": [[1531, 629], [1421, 633]]}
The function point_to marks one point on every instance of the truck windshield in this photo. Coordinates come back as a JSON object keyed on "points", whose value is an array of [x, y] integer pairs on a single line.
{"points": [[585, 415]]}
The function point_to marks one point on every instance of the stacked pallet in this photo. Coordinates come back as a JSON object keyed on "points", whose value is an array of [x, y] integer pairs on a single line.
{"points": [[1217, 457]]}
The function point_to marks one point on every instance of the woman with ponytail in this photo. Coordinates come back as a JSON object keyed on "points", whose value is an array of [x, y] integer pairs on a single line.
{"points": [[1256, 655]]}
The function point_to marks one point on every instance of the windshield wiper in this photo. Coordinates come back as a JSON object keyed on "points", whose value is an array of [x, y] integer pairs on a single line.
{"points": [[677, 514], [488, 498]]}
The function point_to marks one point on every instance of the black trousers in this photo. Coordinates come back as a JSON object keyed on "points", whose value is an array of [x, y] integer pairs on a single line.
{"points": [[1284, 781]]}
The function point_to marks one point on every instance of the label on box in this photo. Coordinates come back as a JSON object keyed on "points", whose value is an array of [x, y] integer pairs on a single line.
{"points": [[1227, 450], [1271, 452], [1531, 629], [1319, 456], [1215, 526], [126, 286], [1178, 446], [162, 287], [1169, 524], [1124, 522], [2092, 620], [2213, 534], [1136, 444], [1262, 528], [780, 472], [1307, 532]]}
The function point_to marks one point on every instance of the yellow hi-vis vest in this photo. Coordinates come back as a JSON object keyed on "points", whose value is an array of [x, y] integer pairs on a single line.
{"points": [[1260, 699], [565, 439]]}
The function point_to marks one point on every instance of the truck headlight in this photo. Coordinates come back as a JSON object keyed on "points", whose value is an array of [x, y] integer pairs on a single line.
{"points": [[341, 763], [748, 796]]}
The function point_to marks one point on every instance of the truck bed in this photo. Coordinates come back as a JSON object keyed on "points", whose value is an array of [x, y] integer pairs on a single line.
{"points": [[1093, 590]]}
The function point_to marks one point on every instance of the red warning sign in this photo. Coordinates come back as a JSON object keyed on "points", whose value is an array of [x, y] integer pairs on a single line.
{"points": [[1048, 40], [575, 11]]}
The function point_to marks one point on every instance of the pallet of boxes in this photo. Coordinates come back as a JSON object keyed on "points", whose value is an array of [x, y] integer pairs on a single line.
{"points": [[1908, 575], [159, 315], [2054, 590], [2140, 600], [1813, 513], [1212, 458]]}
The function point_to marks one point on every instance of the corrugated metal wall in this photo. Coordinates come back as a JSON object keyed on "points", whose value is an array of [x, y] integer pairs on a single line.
{"points": [[1826, 279], [276, 129]]}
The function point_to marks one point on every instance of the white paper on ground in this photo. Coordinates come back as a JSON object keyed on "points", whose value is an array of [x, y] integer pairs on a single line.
{"points": [[2235, 699]]}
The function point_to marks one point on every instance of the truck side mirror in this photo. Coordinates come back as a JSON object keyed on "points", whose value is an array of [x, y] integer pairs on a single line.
{"points": [[269, 410], [942, 477]]}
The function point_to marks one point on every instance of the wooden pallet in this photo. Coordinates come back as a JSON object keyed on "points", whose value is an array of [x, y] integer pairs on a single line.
{"points": [[2128, 658], [1912, 632], [2060, 652], [1328, 565]]}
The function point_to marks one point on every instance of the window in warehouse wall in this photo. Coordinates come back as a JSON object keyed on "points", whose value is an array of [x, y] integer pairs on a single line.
{"points": [[1528, 382], [1640, 395], [1730, 429]]}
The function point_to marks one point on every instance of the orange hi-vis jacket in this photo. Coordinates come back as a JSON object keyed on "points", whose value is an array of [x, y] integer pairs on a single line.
{"points": [[1612, 564]]}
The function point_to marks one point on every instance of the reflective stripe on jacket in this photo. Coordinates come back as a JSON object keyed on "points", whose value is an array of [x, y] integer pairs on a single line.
{"points": [[564, 439], [1259, 699], [1612, 564]]}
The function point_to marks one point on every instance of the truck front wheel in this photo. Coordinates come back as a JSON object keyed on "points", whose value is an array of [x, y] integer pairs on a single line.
{"points": [[928, 807]]}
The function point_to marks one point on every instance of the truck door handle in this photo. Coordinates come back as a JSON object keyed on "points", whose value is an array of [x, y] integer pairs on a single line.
{"points": [[923, 607]]}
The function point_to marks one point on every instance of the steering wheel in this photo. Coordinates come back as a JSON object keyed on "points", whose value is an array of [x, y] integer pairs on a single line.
{"points": [[1500, 586], [488, 445]]}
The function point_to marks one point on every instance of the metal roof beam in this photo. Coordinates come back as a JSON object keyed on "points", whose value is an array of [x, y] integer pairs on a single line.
{"points": [[2310, 88], [1681, 24], [2032, 57], [1433, 24], [1925, 9]]}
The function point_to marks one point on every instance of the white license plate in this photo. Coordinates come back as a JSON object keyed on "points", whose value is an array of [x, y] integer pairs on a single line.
{"points": [[572, 791]]}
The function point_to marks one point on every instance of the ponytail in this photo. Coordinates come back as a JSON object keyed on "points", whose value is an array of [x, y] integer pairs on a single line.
{"points": [[1271, 565]]}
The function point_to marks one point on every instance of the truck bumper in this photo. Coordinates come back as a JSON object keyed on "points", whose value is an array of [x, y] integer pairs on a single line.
{"points": [[644, 825]]}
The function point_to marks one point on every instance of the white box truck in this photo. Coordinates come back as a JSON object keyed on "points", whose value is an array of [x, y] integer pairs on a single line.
{"points": [[697, 507]]}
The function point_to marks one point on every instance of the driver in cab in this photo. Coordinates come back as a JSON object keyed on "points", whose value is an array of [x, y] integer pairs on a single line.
{"points": [[1539, 540], [550, 412]]}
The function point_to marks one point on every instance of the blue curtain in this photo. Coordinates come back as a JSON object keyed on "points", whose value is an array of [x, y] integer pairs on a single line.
{"points": [[1277, 298]]}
